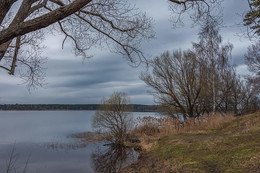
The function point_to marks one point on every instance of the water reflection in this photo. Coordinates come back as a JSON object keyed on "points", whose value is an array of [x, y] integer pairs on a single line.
{"points": [[63, 146], [112, 159], [42, 135], [104, 158]]}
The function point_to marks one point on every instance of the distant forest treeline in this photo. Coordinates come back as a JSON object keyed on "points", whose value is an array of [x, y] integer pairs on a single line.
{"points": [[136, 107]]}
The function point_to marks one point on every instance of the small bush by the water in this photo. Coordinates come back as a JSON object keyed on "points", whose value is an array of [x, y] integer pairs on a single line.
{"points": [[114, 118]]}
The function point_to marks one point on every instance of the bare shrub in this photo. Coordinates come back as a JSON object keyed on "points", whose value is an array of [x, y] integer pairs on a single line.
{"points": [[114, 118]]}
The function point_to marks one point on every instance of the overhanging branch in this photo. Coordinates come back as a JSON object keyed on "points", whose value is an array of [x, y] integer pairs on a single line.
{"points": [[42, 21]]}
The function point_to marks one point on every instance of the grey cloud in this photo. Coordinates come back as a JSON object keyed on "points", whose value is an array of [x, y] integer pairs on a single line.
{"points": [[91, 73], [72, 82]]}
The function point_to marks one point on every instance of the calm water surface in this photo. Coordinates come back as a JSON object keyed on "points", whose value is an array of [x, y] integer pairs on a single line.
{"points": [[33, 132]]}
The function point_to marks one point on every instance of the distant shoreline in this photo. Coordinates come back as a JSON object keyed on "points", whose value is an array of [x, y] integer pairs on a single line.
{"points": [[68, 107]]}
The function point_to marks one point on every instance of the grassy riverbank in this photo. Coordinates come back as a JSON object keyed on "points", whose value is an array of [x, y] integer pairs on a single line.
{"points": [[231, 146]]}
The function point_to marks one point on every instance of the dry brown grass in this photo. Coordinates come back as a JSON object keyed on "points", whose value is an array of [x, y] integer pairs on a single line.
{"points": [[253, 164], [210, 144], [89, 136], [152, 128], [248, 123]]}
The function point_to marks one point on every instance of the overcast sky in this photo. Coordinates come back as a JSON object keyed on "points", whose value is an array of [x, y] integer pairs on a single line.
{"points": [[69, 81]]}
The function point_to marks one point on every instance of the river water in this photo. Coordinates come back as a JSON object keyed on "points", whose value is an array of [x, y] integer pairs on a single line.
{"points": [[41, 139]]}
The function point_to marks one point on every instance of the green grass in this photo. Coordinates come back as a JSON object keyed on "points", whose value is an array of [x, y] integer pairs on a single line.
{"points": [[234, 147]]}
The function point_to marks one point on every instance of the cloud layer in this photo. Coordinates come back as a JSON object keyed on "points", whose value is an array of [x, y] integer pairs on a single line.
{"points": [[69, 81]]}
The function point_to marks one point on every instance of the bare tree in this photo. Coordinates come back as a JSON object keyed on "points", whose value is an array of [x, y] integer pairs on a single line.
{"points": [[227, 91], [114, 118], [211, 50], [182, 83], [244, 97], [253, 62], [203, 80], [178, 81]]}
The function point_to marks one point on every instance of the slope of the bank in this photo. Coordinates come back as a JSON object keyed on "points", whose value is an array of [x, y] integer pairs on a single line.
{"points": [[233, 147]]}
